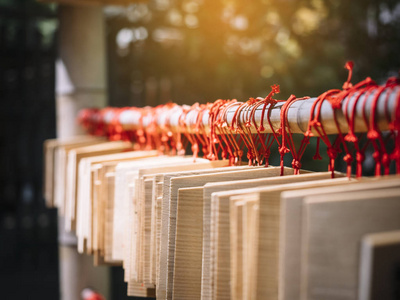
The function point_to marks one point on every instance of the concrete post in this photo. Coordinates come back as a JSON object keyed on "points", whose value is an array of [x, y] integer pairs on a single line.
{"points": [[80, 82]]}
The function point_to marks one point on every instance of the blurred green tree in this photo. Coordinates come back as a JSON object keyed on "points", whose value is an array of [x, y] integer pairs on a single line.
{"points": [[201, 50]]}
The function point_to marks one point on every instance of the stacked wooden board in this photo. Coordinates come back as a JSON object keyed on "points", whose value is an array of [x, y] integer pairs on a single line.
{"points": [[205, 230]]}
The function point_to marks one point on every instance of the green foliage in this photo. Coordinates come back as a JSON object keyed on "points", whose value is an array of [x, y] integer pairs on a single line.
{"points": [[211, 49]]}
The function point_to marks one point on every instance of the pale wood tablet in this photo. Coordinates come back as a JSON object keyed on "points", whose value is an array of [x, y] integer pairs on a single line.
{"points": [[144, 193], [236, 238], [267, 278], [60, 169], [107, 193], [257, 177], [200, 164], [84, 173], [136, 271], [132, 254], [197, 181], [250, 243], [379, 260], [73, 159], [109, 216], [155, 228], [168, 208], [96, 208], [341, 219], [187, 272], [121, 203], [146, 229], [85, 196], [49, 149], [157, 207], [221, 221], [291, 220], [74, 156]]}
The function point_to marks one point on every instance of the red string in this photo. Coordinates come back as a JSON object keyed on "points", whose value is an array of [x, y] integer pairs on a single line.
{"points": [[287, 138], [265, 139]]}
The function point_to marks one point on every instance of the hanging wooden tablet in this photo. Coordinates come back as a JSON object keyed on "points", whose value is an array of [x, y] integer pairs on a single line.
{"points": [[379, 265], [236, 258], [135, 272], [84, 176], [169, 209], [250, 243], [131, 261], [49, 151], [341, 219], [60, 168], [189, 233], [109, 217], [129, 213], [221, 221], [195, 181], [187, 204], [74, 157], [291, 222], [256, 179], [157, 207], [121, 202], [144, 194], [268, 240]]}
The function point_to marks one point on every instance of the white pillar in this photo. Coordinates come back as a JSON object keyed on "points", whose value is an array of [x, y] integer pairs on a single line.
{"points": [[80, 82]]}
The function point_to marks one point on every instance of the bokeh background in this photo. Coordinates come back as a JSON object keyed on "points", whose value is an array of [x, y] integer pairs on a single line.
{"points": [[183, 51]]}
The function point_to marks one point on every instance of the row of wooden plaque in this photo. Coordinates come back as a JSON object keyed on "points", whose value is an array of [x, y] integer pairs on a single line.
{"points": [[204, 230]]}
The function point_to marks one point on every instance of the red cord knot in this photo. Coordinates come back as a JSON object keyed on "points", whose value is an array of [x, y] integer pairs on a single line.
{"points": [[385, 159], [332, 153], [308, 133], [315, 123], [164, 138], [360, 157], [250, 156], [296, 164], [368, 81], [224, 153], [211, 156], [395, 154], [205, 150], [351, 137], [283, 149], [393, 81], [240, 153], [348, 158], [347, 85], [349, 66], [142, 140], [275, 88], [376, 155], [373, 134]]}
